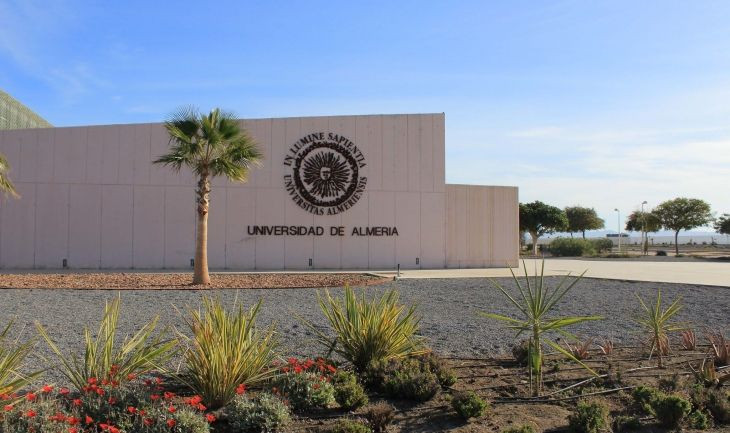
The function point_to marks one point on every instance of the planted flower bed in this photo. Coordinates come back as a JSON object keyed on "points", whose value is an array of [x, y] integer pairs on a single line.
{"points": [[231, 376]]}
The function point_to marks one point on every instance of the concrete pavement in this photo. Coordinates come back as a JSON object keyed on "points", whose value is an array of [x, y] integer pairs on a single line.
{"points": [[706, 273]]}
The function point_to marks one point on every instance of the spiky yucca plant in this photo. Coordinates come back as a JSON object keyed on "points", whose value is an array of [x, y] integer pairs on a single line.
{"points": [[658, 323], [535, 303], [12, 360], [369, 330], [226, 350], [105, 359]]}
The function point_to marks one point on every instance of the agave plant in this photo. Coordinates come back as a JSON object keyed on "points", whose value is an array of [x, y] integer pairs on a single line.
{"points": [[580, 349], [226, 350], [720, 348], [689, 339], [535, 304], [369, 330], [659, 323], [606, 347], [12, 360], [104, 359]]}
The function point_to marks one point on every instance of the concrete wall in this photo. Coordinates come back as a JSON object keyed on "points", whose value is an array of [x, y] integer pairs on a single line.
{"points": [[90, 195], [482, 226]]}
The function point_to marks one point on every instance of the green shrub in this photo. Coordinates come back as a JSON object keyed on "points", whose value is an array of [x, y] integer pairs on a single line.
{"points": [[670, 410], [262, 413], [305, 390], [715, 401], [601, 244], [349, 394], [571, 247], [379, 415], [525, 428], [369, 330], [698, 420], [588, 418], [226, 350], [661, 253], [349, 426], [409, 379], [644, 396], [438, 366], [469, 405], [625, 423]]}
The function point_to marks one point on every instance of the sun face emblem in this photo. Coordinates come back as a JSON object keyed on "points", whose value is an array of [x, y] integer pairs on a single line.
{"points": [[326, 175], [323, 173]]}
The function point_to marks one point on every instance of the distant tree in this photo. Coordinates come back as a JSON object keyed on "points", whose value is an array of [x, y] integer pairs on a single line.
{"points": [[581, 219], [683, 214], [210, 145], [722, 225], [538, 219], [6, 186], [644, 222]]}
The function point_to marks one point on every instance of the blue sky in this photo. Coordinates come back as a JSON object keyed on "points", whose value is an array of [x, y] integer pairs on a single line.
{"points": [[602, 104]]}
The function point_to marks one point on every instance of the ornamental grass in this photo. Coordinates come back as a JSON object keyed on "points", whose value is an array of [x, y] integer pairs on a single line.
{"points": [[104, 358], [226, 352], [12, 360], [369, 330]]}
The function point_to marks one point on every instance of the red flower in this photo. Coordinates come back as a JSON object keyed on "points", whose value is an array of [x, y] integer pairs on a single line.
{"points": [[297, 369], [285, 369], [131, 376], [171, 423], [169, 395], [113, 429], [73, 430], [72, 420], [8, 407], [92, 381], [240, 389], [46, 389], [158, 380], [100, 391], [154, 397], [315, 386], [331, 369], [77, 402], [132, 409], [30, 396], [172, 409], [64, 391], [112, 400], [30, 413], [210, 417], [202, 407], [148, 421], [89, 420]]}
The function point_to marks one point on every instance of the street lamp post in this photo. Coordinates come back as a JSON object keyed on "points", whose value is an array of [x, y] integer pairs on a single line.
{"points": [[644, 234], [618, 219]]}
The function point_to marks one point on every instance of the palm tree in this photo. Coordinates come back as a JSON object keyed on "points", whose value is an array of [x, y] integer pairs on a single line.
{"points": [[6, 186], [210, 145]]}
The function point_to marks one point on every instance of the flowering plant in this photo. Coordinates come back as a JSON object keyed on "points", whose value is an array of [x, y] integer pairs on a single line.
{"points": [[305, 384], [127, 406]]}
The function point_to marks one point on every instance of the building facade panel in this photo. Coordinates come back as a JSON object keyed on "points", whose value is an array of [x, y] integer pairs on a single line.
{"points": [[339, 192]]}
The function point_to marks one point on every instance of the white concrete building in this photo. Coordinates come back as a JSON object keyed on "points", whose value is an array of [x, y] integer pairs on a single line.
{"points": [[341, 192]]}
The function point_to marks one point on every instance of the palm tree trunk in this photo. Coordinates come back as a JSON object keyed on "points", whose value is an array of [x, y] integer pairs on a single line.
{"points": [[200, 271], [676, 242]]}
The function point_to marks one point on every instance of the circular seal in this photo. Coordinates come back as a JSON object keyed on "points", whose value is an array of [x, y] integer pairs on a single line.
{"points": [[323, 173]]}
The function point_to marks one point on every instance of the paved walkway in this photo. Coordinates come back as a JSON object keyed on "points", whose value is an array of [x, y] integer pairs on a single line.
{"points": [[707, 273]]}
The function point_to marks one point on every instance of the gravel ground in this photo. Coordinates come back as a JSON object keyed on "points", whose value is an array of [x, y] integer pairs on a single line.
{"points": [[448, 307], [182, 280]]}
